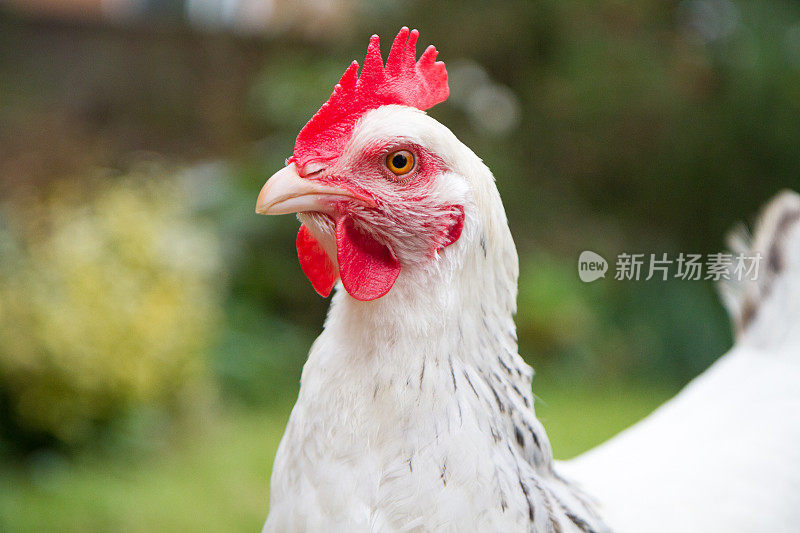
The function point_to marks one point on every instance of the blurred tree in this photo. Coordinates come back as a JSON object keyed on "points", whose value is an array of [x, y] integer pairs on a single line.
{"points": [[109, 301]]}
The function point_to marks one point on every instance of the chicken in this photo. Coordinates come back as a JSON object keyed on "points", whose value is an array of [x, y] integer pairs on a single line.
{"points": [[415, 411], [723, 455]]}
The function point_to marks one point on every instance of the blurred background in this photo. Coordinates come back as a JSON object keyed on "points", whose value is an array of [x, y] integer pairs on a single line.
{"points": [[153, 328]]}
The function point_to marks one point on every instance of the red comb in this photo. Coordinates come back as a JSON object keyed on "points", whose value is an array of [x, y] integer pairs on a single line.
{"points": [[403, 80]]}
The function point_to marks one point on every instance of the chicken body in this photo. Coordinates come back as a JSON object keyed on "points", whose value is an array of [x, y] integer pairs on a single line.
{"points": [[724, 454]]}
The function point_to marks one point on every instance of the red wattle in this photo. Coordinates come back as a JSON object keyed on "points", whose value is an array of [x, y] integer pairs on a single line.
{"points": [[368, 268], [315, 263]]}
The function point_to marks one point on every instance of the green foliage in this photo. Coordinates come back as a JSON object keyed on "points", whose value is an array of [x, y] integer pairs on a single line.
{"points": [[108, 302], [260, 356], [610, 331]]}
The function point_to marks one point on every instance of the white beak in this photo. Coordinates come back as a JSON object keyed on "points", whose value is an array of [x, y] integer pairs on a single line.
{"points": [[286, 192]]}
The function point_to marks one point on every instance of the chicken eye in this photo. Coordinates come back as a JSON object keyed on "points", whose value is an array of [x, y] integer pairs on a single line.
{"points": [[400, 162]]}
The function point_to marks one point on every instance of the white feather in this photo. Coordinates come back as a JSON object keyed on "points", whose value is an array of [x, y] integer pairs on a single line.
{"points": [[724, 455]]}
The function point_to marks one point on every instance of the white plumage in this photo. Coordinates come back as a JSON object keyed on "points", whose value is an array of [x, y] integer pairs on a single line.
{"points": [[409, 404], [724, 455], [415, 411]]}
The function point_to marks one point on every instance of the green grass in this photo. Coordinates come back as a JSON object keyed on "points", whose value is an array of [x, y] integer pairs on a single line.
{"points": [[578, 417], [214, 480], [217, 479]]}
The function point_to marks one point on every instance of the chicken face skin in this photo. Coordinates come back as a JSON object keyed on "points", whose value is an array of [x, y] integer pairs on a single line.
{"points": [[372, 224]]}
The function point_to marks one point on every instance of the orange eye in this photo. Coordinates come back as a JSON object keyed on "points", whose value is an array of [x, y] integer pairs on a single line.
{"points": [[400, 162]]}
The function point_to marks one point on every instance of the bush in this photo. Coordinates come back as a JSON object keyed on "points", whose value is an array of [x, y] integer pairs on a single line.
{"points": [[108, 303]]}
